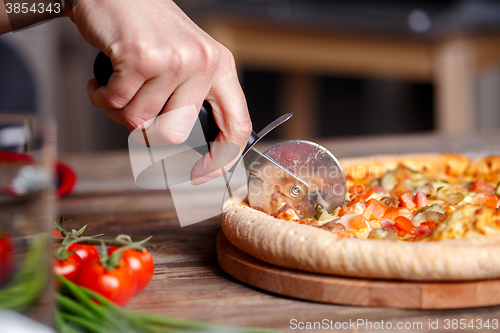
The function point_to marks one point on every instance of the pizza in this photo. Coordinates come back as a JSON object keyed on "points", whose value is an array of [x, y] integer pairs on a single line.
{"points": [[430, 217]]}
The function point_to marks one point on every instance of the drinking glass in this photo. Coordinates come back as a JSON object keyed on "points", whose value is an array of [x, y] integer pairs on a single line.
{"points": [[27, 207]]}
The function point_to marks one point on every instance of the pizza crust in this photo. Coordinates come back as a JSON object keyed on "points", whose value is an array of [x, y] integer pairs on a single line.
{"points": [[288, 244]]}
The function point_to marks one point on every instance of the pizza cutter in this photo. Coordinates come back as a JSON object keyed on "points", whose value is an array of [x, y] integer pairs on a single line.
{"points": [[299, 174]]}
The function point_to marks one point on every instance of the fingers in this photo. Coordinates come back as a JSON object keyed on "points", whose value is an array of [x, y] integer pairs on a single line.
{"points": [[231, 114], [146, 104], [181, 112], [172, 127], [230, 111], [121, 88], [134, 101], [219, 159]]}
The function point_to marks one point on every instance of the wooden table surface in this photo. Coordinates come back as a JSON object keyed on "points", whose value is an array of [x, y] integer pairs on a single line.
{"points": [[188, 281]]}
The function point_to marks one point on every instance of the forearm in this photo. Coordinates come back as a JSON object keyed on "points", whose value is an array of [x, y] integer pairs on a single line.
{"points": [[19, 14]]}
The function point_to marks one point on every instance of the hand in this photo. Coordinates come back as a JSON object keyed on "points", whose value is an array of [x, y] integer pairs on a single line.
{"points": [[158, 53]]}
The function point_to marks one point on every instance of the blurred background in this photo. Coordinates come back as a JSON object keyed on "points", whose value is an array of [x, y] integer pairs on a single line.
{"points": [[345, 69]]}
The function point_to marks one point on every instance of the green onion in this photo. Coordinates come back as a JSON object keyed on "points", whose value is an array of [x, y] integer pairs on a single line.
{"points": [[30, 280], [92, 312]]}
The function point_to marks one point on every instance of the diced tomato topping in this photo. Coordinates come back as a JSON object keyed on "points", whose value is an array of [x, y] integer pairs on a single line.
{"points": [[406, 200], [420, 199], [369, 191], [404, 225], [374, 210], [391, 214], [357, 197], [480, 186], [489, 201], [354, 201], [357, 189], [346, 210], [358, 222], [430, 224]]}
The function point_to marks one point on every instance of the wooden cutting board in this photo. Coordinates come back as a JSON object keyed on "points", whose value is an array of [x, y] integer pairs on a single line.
{"points": [[353, 291]]}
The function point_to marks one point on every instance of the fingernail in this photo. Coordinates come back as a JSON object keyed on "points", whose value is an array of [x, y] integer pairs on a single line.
{"points": [[200, 180]]}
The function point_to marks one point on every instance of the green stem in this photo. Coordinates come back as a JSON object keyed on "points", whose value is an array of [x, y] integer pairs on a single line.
{"points": [[93, 241], [29, 282], [130, 321], [59, 322], [143, 326], [86, 301], [74, 307], [111, 262], [85, 324], [86, 296]]}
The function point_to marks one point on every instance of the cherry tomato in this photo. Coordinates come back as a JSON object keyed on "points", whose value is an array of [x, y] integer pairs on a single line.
{"points": [[141, 263], [118, 285], [5, 257], [68, 268], [56, 233], [84, 251]]}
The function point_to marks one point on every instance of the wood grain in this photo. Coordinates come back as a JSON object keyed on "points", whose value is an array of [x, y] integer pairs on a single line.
{"points": [[351, 291], [188, 281]]}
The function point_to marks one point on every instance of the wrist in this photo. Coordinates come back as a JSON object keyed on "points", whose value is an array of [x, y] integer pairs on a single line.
{"points": [[68, 5]]}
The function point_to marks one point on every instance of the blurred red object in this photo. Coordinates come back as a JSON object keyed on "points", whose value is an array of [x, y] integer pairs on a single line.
{"points": [[65, 176], [5, 257]]}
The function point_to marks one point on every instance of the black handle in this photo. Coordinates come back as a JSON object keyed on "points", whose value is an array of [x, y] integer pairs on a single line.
{"points": [[103, 70]]}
